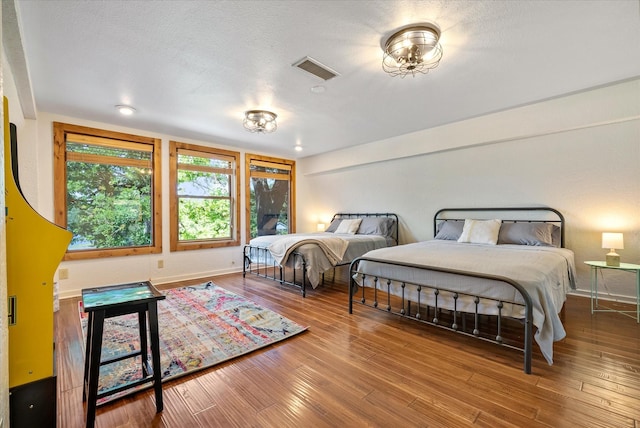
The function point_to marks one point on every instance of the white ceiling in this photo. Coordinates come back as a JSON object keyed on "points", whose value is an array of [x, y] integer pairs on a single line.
{"points": [[191, 68]]}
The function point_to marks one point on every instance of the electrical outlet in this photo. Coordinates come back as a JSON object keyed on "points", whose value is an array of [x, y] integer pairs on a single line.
{"points": [[160, 264], [63, 274]]}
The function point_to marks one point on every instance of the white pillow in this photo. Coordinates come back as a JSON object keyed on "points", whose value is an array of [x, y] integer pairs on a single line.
{"points": [[480, 231], [349, 226]]}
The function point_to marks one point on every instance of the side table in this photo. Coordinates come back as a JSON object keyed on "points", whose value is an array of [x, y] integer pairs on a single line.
{"points": [[596, 266], [111, 301]]}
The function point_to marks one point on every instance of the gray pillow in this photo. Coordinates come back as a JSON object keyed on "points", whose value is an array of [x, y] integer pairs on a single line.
{"points": [[526, 234], [450, 230], [376, 226], [555, 236], [334, 225]]}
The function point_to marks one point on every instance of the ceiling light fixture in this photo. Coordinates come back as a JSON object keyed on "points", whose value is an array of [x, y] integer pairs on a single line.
{"points": [[260, 121], [413, 49], [125, 110]]}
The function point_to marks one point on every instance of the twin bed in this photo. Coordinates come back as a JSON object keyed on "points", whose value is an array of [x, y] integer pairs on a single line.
{"points": [[300, 259], [490, 273]]}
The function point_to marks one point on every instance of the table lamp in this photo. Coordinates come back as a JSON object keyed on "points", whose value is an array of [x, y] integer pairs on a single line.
{"points": [[613, 241], [320, 227]]}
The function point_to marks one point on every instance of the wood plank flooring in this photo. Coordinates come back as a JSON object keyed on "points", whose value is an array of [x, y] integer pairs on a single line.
{"points": [[375, 369]]}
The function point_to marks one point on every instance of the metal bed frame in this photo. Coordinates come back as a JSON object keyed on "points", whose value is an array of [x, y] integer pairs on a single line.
{"points": [[264, 266], [481, 326]]}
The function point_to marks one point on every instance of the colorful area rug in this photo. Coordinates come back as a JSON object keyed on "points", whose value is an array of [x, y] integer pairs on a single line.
{"points": [[199, 327]]}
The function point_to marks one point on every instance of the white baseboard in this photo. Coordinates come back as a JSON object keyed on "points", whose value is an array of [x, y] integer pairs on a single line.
{"points": [[189, 276], [186, 277], [164, 280]]}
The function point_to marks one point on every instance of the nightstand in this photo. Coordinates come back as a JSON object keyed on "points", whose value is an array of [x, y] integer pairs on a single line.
{"points": [[627, 267]]}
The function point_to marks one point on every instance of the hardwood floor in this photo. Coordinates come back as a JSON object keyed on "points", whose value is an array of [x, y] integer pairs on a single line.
{"points": [[374, 369]]}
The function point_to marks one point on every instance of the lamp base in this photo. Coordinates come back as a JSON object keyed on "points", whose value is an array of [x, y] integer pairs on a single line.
{"points": [[613, 259]]}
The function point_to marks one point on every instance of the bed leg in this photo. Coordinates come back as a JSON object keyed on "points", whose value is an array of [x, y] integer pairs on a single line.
{"points": [[528, 333], [245, 261], [352, 291], [304, 286]]}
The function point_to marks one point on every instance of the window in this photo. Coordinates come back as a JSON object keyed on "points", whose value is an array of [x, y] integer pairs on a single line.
{"points": [[270, 195], [204, 197], [107, 191]]}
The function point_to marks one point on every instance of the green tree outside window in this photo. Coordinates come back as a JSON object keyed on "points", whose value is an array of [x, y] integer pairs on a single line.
{"points": [[204, 195], [106, 191]]}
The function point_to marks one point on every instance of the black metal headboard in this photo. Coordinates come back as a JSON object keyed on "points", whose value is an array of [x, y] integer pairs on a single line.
{"points": [[360, 215], [506, 214]]}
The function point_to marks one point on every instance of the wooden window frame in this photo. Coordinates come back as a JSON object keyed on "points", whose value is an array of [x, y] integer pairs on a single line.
{"points": [[128, 141], [253, 159], [175, 243]]}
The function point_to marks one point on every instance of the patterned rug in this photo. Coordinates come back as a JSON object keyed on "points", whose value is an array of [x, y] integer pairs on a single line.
{"points": [[199, 326]]}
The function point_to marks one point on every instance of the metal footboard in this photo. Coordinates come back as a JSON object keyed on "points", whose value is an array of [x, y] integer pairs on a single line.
{"points": [[442, 307], [258, 261]]}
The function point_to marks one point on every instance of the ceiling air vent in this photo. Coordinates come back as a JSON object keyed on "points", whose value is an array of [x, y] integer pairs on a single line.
{"points": [[316, 68]]}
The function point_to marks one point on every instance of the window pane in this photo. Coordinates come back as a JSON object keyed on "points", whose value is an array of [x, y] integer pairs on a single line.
{"points": [[204, 189], [273, 169], [204, 161], [107, 192], [108, 151], [196, 183], [108, 206], [269, 207], [204, 219]]}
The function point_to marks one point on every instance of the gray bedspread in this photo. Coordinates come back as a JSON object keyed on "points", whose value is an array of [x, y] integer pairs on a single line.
{"points": [[547, 273], [316, 259]]}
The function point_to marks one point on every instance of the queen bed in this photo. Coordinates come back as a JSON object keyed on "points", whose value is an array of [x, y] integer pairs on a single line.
{"points": [[299, 259], [484, 269]]}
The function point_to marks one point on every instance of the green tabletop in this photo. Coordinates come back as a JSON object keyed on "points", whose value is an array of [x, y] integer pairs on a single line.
{"points": [[602, 264], [112, 295]]}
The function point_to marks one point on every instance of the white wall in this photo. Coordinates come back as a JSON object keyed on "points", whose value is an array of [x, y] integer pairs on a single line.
{"points": [[579, 154], [179, 265]]}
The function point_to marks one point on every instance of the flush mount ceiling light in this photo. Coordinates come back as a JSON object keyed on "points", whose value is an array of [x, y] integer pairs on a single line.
{"points": [[260, 121], [413, 49], [125, 110]]}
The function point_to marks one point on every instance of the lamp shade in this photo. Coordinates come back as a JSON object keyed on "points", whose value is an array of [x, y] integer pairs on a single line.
{"points": [[612, 241]]}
